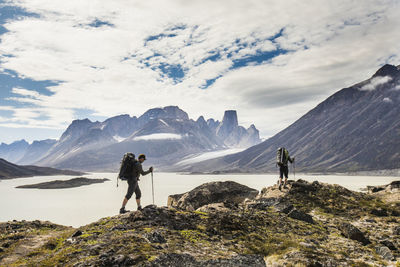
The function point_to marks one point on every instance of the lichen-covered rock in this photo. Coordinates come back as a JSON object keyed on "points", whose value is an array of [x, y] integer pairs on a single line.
{"points": [[213, 192], [155, 237], [396, 230], [352, 232], [298, 215], [388, 244], [214, 207], [186, 260], [256, 232], [384, 252]]}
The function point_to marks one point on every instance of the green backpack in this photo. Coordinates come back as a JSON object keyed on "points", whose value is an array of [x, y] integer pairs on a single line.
{"points": [[282, 156]]}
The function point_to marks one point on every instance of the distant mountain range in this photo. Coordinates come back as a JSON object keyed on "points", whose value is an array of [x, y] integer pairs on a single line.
{"points": [[165, 135], [9, 170], [355, 129]]}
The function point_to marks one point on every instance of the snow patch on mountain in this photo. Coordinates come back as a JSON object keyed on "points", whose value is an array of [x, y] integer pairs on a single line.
{"points": [[118, 138], [208, 155], [158, 136], [166, 124]]}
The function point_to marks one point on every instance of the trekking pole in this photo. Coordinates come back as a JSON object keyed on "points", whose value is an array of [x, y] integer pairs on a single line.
{"points": [[152, 186], [294, 169]]}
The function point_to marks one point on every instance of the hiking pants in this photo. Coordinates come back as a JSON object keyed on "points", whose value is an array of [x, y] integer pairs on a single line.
{"points": [[283, 170], [133, 186]]}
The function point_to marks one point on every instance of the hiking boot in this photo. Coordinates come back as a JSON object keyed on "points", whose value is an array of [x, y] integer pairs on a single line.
{"points": [[139, 207], [123, 210], [285, 187], [280, 187]]}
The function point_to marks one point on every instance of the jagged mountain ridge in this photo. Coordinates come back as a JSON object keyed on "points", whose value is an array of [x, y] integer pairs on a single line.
{"points": [[357, 128], [14, 151], [165, 134]]}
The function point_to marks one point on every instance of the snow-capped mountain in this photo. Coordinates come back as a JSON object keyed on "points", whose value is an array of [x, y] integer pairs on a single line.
{"points": [[166, 135]]}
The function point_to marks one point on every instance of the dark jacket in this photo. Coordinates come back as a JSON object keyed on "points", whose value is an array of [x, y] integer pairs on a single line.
{"points": [[138, 170]]}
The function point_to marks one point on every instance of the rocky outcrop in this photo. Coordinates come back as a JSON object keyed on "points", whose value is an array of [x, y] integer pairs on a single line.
{"points": [[256, 232], [234, 135], [213, 192], [183, 260], [352, 232], [392, 187], [71, 183], [229, 124]]}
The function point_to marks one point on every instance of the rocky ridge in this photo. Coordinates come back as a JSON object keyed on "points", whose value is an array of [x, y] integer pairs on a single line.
{"points": [[308, 224], [71, 183], [9, 170]]}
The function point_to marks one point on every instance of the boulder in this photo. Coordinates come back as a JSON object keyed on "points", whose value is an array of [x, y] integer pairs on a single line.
{"points": [[396, 230], [184, 260], [394, 185], [384, 252], [213, 192], [352, 232], [155, 237], [389, 244], [262, 203], [379, 212], [214, 207], [299, 215], [284, 207], [302, 186], [77, 233]]}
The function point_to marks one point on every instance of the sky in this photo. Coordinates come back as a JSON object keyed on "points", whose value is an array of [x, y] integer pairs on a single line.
{"points": [[272, 61]]}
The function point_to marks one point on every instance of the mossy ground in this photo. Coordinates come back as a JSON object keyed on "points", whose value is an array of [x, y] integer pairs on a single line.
{"points": [[267, 232]]}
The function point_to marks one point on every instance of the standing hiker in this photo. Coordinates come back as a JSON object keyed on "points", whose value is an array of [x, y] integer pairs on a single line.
{"points": [[133, 186], [282, 158]]}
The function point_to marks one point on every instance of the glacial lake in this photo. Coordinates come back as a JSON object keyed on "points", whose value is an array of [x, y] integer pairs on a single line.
{"points": [[83, 205]]}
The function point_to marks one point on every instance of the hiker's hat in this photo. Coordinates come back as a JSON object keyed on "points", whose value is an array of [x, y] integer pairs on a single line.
{"points": [[142, 156]]}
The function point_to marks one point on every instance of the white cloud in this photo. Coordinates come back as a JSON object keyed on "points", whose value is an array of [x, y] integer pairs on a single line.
{"points": [[25, 92], [112, 70], [375, 82]]}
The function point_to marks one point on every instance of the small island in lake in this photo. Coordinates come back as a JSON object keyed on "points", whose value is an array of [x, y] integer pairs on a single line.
{"points": [[59, 184]]}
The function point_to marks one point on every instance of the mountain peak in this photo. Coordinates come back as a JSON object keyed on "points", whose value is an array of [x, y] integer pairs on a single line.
{"points": [[167, 112], [81, 122], [230, 117], [387, 70], [201, 119]]}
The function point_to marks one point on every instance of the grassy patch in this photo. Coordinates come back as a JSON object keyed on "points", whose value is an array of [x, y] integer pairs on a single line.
{"points": [[269, 245], [193, 236]]}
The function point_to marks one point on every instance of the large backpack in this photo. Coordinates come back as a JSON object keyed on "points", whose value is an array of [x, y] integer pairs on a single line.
{"points": [[281, 156], [127, 164]]}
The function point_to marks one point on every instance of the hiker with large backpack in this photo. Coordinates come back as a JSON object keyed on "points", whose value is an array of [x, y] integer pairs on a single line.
{"points": [[282, 159], [130, 170]]}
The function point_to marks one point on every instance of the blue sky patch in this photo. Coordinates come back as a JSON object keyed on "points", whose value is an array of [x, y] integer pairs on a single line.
{"points": [[82, 113], [9, 80], [259, 58], [97, 23], [12, 13], [174, 72]]}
